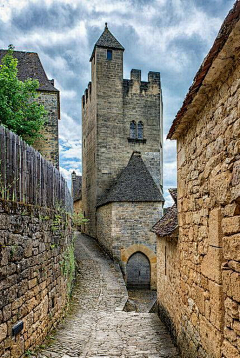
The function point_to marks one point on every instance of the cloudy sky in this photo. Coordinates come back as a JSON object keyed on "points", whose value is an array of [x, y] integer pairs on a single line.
{"points": [[170, 36]]}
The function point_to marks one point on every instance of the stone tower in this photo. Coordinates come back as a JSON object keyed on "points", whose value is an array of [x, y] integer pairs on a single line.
{"points": [[119, 117]]}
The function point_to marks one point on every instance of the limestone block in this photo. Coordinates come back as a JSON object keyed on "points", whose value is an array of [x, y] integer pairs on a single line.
{"points": [[3, 331], [219, 187], [231, 209], [228, 350], [234, 265], [215, 231], [216, 303], [231, 225], [231, 284], [236, 327], [211, 338], [211, 264], [231, 247], [236, 173], [231, 307]]}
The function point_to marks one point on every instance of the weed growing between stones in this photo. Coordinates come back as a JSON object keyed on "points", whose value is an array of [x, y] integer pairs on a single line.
{"points": [[68, 267]]}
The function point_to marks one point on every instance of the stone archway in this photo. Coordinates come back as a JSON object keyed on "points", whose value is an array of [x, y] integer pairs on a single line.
{"points": [[150, 254], [138, 271]]}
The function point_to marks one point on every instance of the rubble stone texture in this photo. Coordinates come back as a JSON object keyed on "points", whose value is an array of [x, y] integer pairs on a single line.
{"points": [[34, 285], [97, 325], [48, 144], [199, 273]]}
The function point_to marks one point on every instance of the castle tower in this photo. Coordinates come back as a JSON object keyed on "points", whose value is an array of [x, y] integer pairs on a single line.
{"points": [[119, 117]]}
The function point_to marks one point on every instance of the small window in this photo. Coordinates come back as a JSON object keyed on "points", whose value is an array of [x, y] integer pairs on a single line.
{"points": [[109, 54], [140, 130], [133, 130]]}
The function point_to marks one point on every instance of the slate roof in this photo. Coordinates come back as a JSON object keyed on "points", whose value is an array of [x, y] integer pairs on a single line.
{"points": [[77, 187], [29, 66], [232, 18], [107, 40], [134, 184], [173, 193], [169, 222]]}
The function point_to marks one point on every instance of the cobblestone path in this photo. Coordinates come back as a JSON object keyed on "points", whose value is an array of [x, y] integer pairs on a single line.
{"points": [[97, 326]]}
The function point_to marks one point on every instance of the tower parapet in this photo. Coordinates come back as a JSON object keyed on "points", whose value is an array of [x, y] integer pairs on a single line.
{"points": [[118, 117], [135, 84]]}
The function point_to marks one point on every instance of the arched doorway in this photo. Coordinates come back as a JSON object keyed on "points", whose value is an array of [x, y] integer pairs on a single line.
{"points": [[138, 271]]}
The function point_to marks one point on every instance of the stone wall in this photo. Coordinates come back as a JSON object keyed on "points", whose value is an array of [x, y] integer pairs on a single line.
{"points": [[122, 225], [77, 206], [109, 105], [36, 262], [48, 145], [168, 282], [205, 261]]}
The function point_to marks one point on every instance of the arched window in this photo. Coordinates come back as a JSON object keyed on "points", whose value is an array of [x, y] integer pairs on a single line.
{"points": [[140, 130], [133, 130]]}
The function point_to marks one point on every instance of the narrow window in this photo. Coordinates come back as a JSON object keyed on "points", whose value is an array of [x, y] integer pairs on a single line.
{"points": [[140, 130], [133, 130], [109, 54]]}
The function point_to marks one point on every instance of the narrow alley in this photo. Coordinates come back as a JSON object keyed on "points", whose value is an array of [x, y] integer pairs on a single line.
{"points": [[97, 326]]}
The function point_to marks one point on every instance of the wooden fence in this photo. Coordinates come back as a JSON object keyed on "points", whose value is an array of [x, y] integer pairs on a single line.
{"points": [[25, 176]]}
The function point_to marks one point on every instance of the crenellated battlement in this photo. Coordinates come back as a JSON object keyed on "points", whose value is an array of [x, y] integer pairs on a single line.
{"points": [[87, 95], [135, 84]]}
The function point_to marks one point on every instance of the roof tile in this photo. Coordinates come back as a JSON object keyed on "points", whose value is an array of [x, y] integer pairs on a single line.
{"points": [[134, 183]]}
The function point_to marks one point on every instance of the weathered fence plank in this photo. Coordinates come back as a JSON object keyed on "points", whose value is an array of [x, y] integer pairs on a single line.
{"points": [[25, 176]]}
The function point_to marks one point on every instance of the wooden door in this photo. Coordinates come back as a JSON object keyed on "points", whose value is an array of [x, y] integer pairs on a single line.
{"points": [[138, 271]]}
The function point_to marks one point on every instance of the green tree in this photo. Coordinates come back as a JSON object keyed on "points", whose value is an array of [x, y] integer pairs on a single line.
{"points": [[19, 110]]}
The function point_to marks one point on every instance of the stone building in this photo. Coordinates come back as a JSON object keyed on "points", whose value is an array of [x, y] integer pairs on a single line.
{"points": [[199, 267], [120, 117], [29, 66], [76, 189]]}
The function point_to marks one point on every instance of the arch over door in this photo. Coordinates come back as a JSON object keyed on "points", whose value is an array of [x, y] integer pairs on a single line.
{"points": [[138, 271]]}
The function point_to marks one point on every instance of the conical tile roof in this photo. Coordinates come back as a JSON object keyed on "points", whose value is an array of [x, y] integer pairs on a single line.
{"points": [[134, 183], [107, 40]]}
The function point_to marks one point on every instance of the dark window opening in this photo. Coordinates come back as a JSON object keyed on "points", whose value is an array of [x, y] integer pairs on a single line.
{"points": [[140, 130], [109, 54], [133, 130]]}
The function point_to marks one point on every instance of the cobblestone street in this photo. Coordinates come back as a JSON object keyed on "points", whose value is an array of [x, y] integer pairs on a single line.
{"points": [[97, 326]]}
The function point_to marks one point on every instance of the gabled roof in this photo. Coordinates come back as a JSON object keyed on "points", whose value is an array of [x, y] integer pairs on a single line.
{"points": [[134, 183], [29, 66], [173, 193], [167, 225], [107, 40], [228, 26], [76, 187]]}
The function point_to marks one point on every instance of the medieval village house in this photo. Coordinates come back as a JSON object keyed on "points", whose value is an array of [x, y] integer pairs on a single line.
{"points": [[122, 161], [29, 66], [199, 267]]}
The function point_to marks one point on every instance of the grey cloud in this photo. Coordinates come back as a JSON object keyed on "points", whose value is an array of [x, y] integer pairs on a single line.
{"points": [[45, 29]]}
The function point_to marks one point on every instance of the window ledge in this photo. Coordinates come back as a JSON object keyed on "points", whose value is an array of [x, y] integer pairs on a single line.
{"points": [[136, 140]]}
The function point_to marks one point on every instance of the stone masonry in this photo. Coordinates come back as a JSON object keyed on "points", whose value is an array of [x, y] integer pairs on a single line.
{"points": [[124, 225], [30, 66], [48, 144], [199, 271], [109, 105], [35, 275], [97, 325]]}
